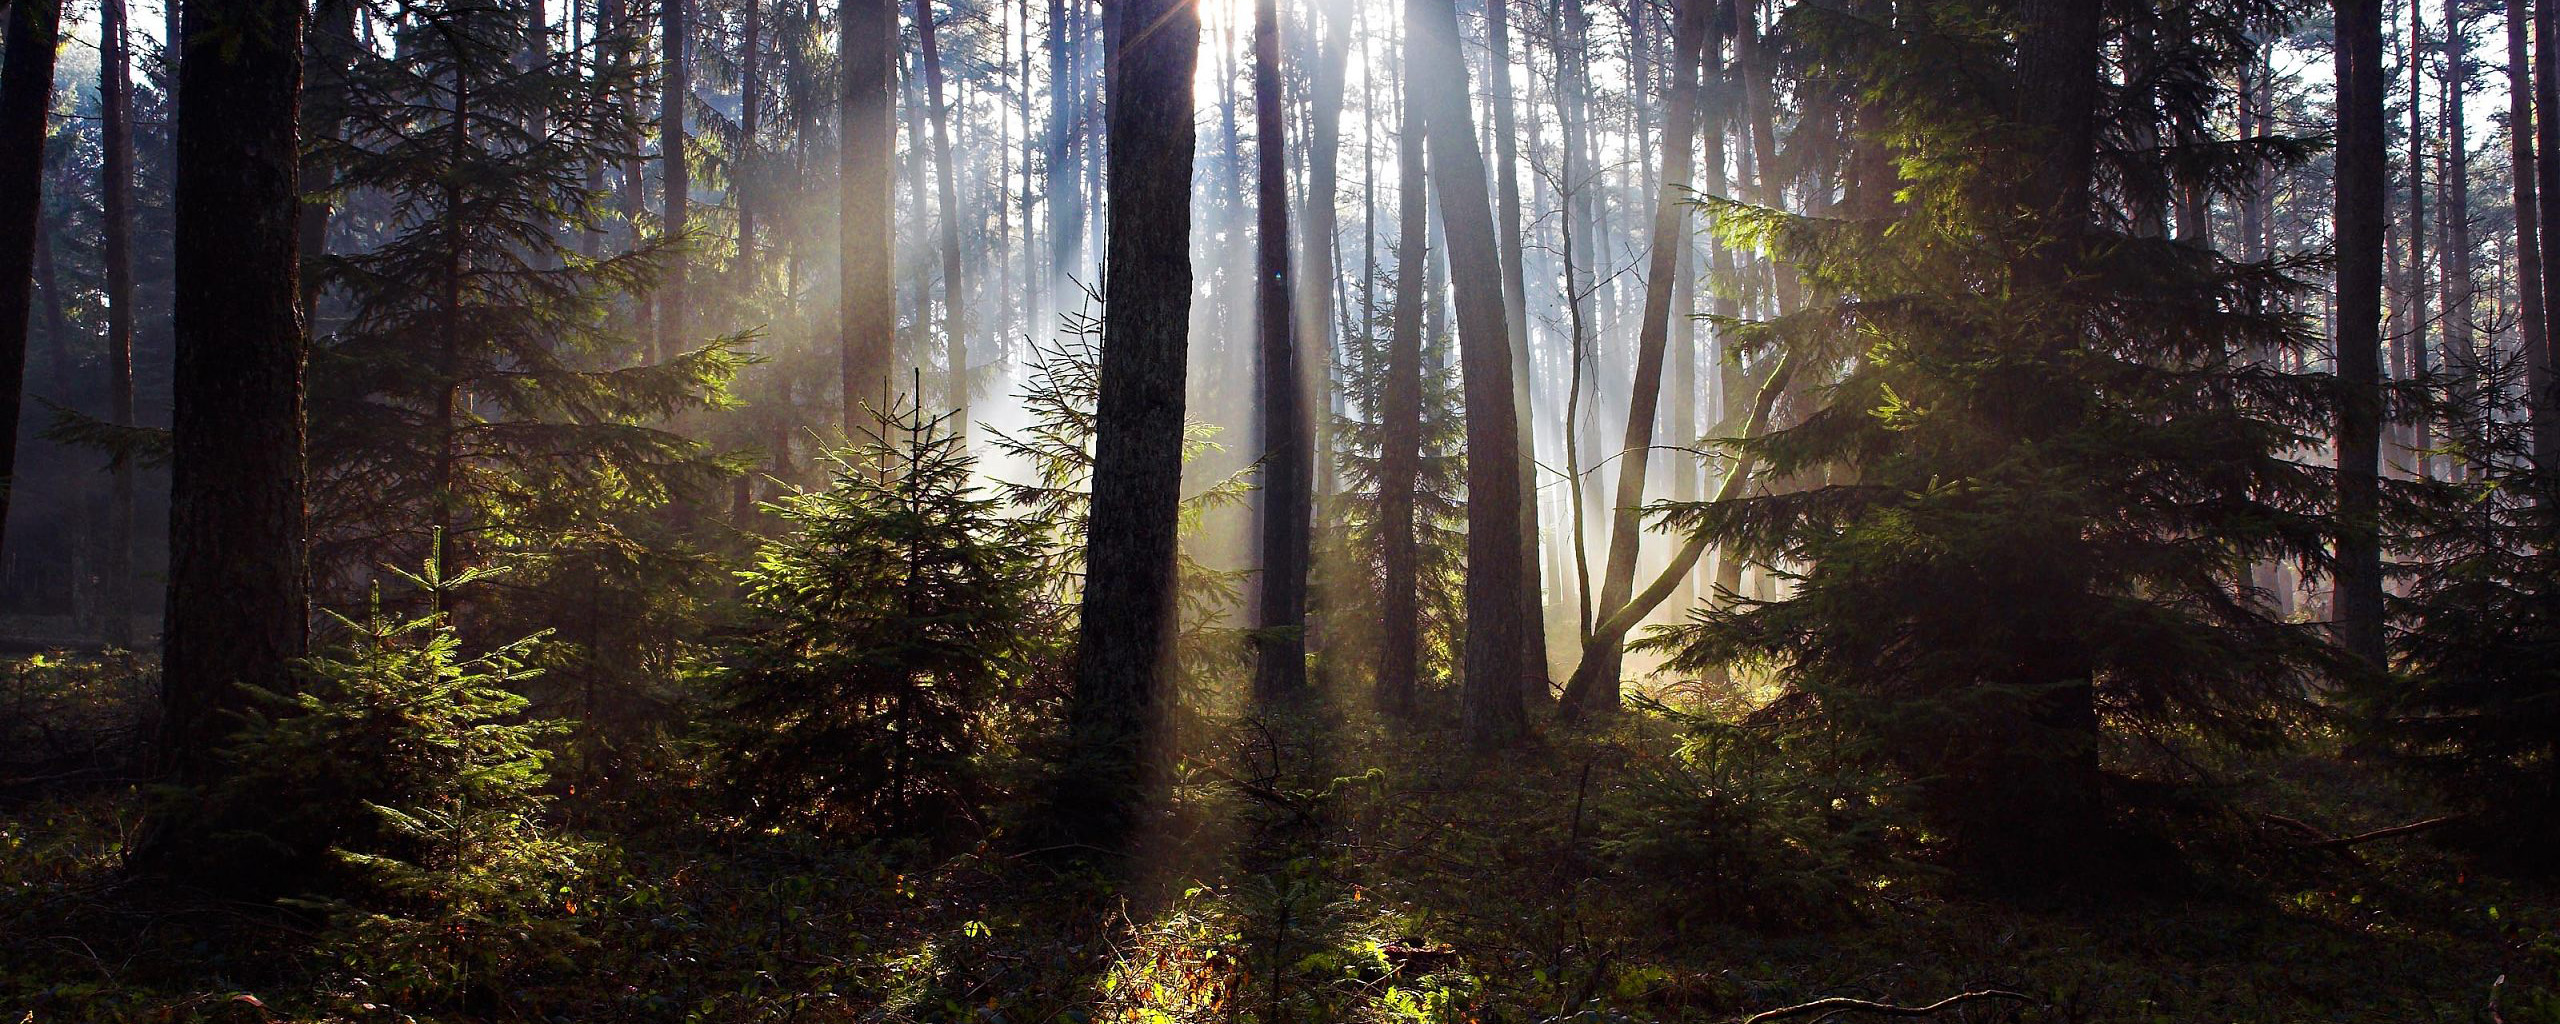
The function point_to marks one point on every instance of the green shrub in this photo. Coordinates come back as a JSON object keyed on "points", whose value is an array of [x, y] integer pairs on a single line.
{"points": [[888, 627]]}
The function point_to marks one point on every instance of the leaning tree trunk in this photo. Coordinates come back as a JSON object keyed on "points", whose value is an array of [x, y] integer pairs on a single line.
{"points": [[26, 96], [867, 307], [2359, 214], [1594, 686], [1124, 654], [1280, 661], [237, 559], [1492, 709]]}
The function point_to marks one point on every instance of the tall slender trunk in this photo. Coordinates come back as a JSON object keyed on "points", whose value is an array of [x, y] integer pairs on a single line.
{"points": [[2460, 359], [674, 311], [1280, 663], [26, 95], [115, 188], [237, 560], [745, 180], [955, 311], [2416, 281], [1318, 264], [1595, 682], [867, 306], [331, 54], [2532, 325], [1492, 709], [1400, 413], [2360, 213], [1515, 305], [1124, 654]]}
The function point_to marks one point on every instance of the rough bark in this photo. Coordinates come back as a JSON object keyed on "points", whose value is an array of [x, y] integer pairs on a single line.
{"points": [[237, 559], [1515, 305], [1124, 658]]}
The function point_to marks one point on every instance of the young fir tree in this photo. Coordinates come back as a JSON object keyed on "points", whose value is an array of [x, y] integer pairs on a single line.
{"points": [[2048, 450], [2478, 704], [480, 385], [1439, 503], [892, 623]]}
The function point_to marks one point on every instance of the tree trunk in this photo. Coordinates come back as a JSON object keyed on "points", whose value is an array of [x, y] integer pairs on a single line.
{"points": [[331, 55], [1125, 655], [26, 96], [237, 558], [2533, 326], [1400, 413], [744, 179], [2416, 295], [2360, 213], [1515, 305], [2460, 359], [867, 308], [674, 312], [115, 188], [1595, 682], [1492, 708], [1280, 662], [955, 314]]}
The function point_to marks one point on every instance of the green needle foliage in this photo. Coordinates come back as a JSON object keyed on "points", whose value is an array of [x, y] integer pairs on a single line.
{"points": [[2036, 470], [892, 626]]}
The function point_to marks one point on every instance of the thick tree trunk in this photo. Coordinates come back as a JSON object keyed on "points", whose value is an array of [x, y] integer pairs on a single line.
{"points": [[1595, 682], [1125, 655], [955, 313], [115, 191], [868, 303], [2360, 213], [1493, 711], [26, 95], [2532, 326], [237, 560], [1280, 663]]}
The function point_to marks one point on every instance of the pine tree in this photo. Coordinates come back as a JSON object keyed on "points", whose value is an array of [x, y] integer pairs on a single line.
{"points": [[2050, 455]]}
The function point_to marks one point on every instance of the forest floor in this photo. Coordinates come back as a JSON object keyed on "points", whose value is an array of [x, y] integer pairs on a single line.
{"points": [[1347, 872]]}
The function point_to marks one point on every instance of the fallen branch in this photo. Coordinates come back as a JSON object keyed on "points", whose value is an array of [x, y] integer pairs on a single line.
{"points": [[1887, 1009], [2393, 832]]}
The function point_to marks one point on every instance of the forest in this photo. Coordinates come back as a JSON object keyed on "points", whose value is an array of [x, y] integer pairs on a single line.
{"points": [[1380, 511]]}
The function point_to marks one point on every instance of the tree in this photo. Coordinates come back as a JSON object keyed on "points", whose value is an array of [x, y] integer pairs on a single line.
{"points": [[237, 560], [1124, 655], [1288, 452], [26, 97], [1594, 686], [2033, 413], [674, 312], [2532, 323], [1492, 702], [955, 316], [2359, 217], [115, 186], [1400, 412], [867, 302]]}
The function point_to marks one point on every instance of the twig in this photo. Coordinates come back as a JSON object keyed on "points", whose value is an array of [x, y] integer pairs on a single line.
{"points": [[2393, 832], [1887, 1009]]}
